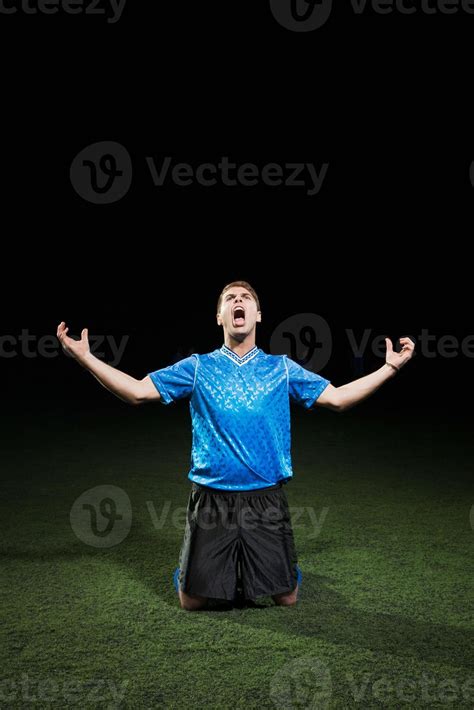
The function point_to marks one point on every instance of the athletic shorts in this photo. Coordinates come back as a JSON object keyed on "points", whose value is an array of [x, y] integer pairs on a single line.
{"points": [[237, 539]]}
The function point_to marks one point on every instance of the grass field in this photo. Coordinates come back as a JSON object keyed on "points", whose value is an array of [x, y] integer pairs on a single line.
{"points": [[381, 510]]}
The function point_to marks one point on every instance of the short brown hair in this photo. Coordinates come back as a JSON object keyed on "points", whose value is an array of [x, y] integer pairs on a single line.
{"points": [[243, 284]]}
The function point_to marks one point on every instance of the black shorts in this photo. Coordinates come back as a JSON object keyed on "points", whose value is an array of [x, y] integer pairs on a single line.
{"points": [[237, 539]]}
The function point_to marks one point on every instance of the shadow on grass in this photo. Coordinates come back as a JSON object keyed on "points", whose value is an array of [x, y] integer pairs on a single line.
{"points": [[321, 612]]}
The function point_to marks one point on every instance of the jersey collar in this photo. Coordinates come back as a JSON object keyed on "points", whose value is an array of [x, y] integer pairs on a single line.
{"points": [[236, 358]]}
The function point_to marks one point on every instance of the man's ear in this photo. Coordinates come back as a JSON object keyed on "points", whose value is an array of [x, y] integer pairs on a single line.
{"points": [[219, 319], [259, 316]]}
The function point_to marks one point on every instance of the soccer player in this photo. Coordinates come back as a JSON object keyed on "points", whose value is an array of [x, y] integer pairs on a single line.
{"points": [[238, 535]]}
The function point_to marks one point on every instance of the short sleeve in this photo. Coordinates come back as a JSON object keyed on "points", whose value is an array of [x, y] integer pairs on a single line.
{"points": [[304, 386], [176, 381]]}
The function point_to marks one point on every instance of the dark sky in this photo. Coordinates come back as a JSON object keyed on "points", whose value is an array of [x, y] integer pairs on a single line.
{"points": [[152, 316], [382, 246]]}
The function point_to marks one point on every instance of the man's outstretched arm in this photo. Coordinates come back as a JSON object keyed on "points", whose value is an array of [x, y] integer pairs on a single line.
{"points": [[341, 398], [123, 386]]}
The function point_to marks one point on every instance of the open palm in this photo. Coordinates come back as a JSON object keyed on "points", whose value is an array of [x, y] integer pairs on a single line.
{"points": [[76, 348]]}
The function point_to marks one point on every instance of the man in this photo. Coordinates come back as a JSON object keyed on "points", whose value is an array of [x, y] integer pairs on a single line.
{"points": [[238, 529]]}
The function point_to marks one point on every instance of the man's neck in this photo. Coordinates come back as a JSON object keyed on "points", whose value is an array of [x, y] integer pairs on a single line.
{"points": [[239, 348]]}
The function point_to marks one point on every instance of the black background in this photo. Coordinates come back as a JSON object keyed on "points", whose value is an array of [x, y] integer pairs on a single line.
{"points": [[384, 99]]}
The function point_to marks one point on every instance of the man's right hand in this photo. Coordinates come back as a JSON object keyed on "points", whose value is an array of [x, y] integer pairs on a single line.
{"points": [[123, 386], [78, 349]]}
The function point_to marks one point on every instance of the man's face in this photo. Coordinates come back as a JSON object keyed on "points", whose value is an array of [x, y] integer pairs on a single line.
{"points": [[238, 312]]}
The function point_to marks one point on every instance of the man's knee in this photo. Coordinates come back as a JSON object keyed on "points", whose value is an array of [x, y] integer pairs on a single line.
{"points": [[287, 598], [191, 602]]}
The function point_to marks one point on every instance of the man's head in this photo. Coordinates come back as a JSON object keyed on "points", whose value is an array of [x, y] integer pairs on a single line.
{"points": [[238, 310]]}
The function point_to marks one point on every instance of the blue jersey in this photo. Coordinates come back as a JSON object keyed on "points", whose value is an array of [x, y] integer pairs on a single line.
{"points": [[240, 410]]}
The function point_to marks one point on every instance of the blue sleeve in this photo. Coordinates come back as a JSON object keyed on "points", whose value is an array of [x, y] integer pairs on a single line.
{"points": [[176, 381], [304, 386]]}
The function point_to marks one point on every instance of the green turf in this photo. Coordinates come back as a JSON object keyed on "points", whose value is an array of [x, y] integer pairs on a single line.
{"points": [[384, 617]]}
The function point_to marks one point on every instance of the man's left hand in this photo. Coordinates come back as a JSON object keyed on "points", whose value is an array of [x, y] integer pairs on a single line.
{"points": [[405, 354]]}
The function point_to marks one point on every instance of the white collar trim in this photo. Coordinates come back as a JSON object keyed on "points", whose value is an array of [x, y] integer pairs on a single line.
{"points": [[236, 358]]}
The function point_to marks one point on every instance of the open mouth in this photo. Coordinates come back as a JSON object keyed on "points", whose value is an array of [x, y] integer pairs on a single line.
{"points": [[239, 316]]}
